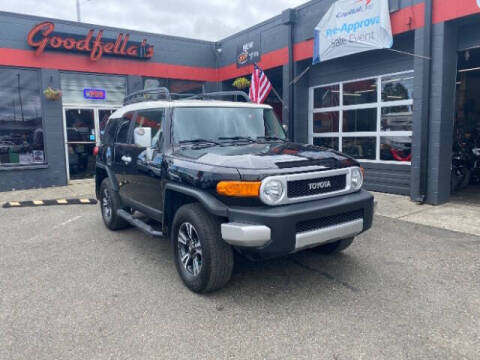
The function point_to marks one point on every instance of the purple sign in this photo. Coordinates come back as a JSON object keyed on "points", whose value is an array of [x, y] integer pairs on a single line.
{"points": [[94, 94]]}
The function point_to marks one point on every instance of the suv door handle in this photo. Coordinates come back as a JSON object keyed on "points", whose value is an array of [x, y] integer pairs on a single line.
{"points": [[126, 159]]}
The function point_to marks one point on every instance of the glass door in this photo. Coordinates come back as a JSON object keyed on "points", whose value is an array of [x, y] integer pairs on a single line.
{"points": [[81, 137], [84, 129]]}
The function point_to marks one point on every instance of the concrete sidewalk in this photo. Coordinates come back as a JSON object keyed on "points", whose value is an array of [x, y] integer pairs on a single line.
{"points": [[77, 189], [462, 214]]}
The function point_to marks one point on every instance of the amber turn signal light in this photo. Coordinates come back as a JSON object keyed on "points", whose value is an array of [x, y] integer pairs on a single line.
{"points": [[239, 188], [363, 171]]}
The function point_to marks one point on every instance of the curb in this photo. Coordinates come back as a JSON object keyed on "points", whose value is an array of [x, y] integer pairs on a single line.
{"points": [[35, 203]]}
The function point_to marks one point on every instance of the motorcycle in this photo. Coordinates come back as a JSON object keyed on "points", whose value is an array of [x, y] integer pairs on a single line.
{"points": [[475, 165], [460, 173]]}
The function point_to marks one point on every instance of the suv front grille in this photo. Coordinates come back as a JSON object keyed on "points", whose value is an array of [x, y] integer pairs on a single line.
{"points": [[321, 185], [326, 221]]}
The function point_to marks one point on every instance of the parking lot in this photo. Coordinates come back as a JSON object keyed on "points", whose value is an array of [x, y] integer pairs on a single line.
{"points": [[70, 289]]}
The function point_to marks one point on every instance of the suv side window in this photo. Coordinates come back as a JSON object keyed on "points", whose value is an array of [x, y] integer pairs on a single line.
{"points": [[123, 127], [108, 136], [152, 119]]}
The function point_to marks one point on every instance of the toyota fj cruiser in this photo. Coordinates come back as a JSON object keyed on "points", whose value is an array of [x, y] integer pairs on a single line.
{"points": [[220, 176]]}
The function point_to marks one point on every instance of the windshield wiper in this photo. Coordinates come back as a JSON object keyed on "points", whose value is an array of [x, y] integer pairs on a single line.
{"points": [[199, 141], [270, 138], [247, 138]]}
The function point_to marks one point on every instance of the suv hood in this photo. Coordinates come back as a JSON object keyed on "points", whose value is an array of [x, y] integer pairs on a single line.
{"points": [[266, 156]]}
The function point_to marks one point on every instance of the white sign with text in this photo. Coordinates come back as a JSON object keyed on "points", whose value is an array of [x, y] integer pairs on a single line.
{"points": [[352, 26]]}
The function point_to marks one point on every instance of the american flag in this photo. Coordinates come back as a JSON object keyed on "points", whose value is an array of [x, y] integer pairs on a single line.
{"points": [[260, 86]]}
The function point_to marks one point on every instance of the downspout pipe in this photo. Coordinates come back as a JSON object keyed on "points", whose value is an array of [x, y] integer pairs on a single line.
{"points": [[426, 94], [288, 19]]}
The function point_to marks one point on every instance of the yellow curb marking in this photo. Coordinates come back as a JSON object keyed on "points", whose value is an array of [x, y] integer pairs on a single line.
{"points": [[62, 201], [84, 201], [14, 203], [37, 202]]}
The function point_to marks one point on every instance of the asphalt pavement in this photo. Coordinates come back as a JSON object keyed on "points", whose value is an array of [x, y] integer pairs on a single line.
{"points": [[71, 289]]}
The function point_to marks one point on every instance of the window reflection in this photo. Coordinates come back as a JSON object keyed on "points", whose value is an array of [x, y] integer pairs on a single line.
{"points": [[396, 148], [360, 92], [21, 129], [327, 96], [360, 147], [325, 122], [397, 87], [397, 118], [330, 142], [360, 120]]}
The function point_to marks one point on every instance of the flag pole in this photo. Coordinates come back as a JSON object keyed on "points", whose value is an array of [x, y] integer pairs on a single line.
{"points": [[279, 98]]}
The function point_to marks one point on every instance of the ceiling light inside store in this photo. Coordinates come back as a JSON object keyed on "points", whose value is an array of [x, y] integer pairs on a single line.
{"points": [[471, 69]]}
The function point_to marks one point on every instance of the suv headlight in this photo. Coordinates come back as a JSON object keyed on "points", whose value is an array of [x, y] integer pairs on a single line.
{"points": [[271, 192], [356, 178]]}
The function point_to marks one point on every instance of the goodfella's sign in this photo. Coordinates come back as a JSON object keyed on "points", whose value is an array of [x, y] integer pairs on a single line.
{"points": [[43, 37]]}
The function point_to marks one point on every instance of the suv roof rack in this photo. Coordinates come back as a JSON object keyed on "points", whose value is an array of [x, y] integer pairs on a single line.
{"points": [[147, 94], [222, 94], [162, 93]]}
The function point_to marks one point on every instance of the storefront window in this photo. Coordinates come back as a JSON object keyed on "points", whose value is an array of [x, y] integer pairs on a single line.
{"points": [[397, 87], [397, 118], [325, 122], [174, 86], [327, 96], [360, 147], [360, 120], [326, 142], [365, 124], [21, 129], [360, 92], [396, 148]]}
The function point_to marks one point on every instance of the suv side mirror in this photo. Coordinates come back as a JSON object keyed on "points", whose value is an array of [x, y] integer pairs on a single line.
{"points": [[143, 137]]}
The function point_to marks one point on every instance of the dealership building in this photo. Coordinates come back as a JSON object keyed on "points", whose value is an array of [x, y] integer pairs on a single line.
{"points": [[398, 110]]}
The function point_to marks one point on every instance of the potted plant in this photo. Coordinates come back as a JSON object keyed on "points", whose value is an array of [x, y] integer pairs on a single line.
{"points": [[241, 83], [52, 94]]}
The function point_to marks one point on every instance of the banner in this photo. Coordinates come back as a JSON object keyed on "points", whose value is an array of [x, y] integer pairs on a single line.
{"points": [[352, 26]]}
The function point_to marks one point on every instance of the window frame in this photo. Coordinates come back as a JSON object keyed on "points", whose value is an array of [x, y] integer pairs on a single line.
{"points": [[45, 164], [379, 105]]}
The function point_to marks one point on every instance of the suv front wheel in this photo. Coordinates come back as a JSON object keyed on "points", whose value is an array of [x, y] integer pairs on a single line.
{"points": [[203, 260]]}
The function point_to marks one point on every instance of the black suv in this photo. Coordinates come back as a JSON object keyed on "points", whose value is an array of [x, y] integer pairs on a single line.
{"points": [[217, 176]]}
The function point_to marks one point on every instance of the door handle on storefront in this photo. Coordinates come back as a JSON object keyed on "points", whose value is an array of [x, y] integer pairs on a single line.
{"points": [[126, 159]]}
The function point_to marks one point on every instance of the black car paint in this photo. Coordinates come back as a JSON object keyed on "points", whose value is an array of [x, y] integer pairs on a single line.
{"points": [[197, 168]]}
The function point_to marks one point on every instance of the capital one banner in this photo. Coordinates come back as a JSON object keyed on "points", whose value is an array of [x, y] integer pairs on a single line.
{"points": [[352, 26]]}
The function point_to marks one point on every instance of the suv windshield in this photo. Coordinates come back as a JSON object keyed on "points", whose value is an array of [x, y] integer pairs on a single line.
{"points": [[221, 123]]}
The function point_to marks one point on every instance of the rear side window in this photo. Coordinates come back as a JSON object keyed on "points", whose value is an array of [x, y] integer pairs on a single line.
{"points": [[110, 130], [153, 120], [122, 129]]}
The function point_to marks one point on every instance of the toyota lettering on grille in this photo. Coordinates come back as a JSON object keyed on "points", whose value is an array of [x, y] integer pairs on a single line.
{"points": [[319, 185]]}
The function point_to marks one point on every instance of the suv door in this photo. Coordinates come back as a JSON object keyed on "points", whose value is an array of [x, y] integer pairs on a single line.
{"points": [[145, 175], [122, 156]]}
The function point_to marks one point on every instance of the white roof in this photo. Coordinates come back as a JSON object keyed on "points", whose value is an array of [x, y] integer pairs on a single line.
{"points": [[185, 103]]}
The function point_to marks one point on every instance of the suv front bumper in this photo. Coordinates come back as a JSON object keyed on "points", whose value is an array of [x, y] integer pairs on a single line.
{"points": [[276, 231]]}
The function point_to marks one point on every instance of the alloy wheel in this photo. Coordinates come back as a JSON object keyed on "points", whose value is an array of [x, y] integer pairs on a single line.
{"points": [[107, 205], [189, 249]]}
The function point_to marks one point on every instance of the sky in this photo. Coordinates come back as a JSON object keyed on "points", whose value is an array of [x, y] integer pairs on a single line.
{"points": [[200, 19]]}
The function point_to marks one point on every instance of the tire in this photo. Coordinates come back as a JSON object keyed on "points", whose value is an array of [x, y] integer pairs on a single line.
{"points": [[109, 204], [334, 247], [203, 260]]}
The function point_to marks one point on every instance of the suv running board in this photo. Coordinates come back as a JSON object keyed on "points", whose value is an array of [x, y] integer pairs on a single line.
{"points": [[147, 229]]}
